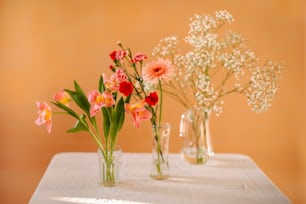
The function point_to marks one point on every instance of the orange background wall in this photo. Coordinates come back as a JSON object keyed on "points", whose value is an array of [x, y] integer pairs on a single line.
{"points": [[45, 45]]}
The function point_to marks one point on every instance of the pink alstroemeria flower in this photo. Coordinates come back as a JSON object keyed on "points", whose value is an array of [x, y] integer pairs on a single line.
{"points": [[138, 112], [98, 100], [62, 97], [44, 115]]}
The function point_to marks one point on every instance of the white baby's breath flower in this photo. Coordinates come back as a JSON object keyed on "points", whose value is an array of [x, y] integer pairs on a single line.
{"points": [[218, 64], [263, 86], [224, 16], [166, 46]]}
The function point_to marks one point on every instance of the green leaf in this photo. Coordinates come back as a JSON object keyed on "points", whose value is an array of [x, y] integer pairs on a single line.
{"points": [[128, 98], [115, 96], [101, 85], [121, 111], [106, 122], [82, 97], [118, 118], [79, 126], [67, 109], [73, 96], [79, 98]]}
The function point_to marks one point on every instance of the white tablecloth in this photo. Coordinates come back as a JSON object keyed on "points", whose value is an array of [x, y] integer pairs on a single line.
{"points": [[227, 178]]}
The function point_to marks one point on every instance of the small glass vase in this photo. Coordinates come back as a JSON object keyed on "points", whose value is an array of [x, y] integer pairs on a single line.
{"points": [[109, 166], [160, 165], [194, 128]]}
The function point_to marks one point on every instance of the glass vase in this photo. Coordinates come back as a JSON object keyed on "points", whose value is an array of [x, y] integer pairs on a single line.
{"points": [[109, 166], [194, 128], [160, 165]]}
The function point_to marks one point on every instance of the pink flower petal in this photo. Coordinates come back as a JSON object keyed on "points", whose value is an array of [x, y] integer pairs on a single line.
{"points": [[44, 115], [98, 100], [160, 70], [138, 112], [62, 97]]}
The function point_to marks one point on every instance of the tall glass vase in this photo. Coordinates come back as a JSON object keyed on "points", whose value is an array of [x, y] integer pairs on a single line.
{"points": [[109, 166], [160, 165], [194, 128]]}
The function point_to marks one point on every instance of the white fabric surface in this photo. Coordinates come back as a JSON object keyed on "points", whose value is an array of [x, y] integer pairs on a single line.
{"points": [[227, 178]]}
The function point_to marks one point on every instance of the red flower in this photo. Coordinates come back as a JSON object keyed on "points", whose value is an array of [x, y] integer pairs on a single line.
{"points": [[111, 67], [139, 57], [152, 99], [126, 88], [118, 55]]}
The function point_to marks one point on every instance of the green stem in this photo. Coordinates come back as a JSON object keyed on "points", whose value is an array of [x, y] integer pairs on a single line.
{"points": [[160, 157], [57, 112], [109, 168], [161, 102], [92, 134], [97, 130], [199, 138]]}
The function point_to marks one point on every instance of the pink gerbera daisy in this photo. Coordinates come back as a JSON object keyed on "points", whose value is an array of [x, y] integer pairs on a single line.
{"points": [[160, 70]]}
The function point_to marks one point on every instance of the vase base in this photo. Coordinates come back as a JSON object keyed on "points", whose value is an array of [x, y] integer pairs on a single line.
{"points": [[160, 169], [194, 160], [194, 156], [108, 184], [160, 177]]}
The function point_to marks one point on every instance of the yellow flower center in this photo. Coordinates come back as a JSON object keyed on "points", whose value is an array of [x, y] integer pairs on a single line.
{"points": [[100, 99], [47, 115]]}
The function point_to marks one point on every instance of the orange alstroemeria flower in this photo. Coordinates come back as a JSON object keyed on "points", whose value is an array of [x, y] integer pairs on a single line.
{"points": [[62, 97], [44, 115], [98, 100], [138, 112]]}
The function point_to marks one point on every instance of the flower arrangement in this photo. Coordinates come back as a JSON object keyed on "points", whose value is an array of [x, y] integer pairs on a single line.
{"points": [[109, 99], [148, 81], [217, 64], [129, 80]]}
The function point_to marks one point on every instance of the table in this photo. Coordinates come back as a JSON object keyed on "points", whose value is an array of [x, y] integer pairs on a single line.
{"points": [[226, 178]]}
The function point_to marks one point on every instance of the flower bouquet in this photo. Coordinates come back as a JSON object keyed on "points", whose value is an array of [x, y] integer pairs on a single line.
{"points": [[218, 64], [113, 99], [148, 93], [110, 101]]}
